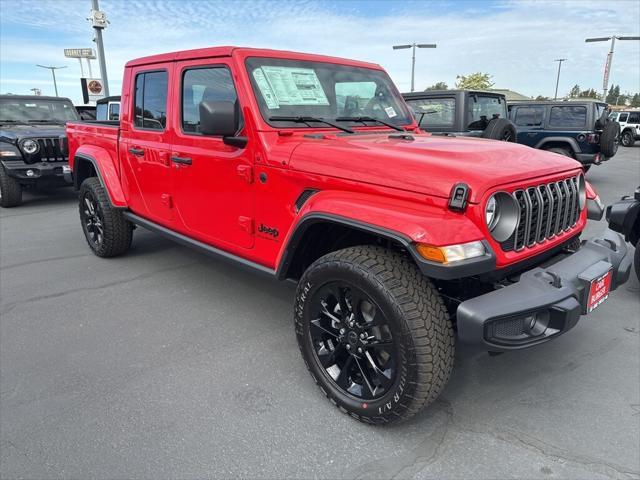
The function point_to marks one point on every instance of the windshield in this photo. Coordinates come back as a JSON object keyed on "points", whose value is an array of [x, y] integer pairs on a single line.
{"points": [[484, 108], [346, 94], [13, 110]]}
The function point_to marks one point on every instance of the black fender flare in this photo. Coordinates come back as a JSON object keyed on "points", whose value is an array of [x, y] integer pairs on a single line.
{"points": [[571, 141]]}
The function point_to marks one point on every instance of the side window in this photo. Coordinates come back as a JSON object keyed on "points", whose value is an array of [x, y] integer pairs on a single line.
{"points": [[568, 116], [623, 117], [353, 97], [151, 100], [634, 117], [204, 84], [114, 111], [529, 116]]}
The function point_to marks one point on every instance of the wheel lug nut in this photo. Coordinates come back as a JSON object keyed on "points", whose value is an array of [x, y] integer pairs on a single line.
{"points": [[351, 324], [359, 350], [342, 330], [348, 347], [363, 336]]}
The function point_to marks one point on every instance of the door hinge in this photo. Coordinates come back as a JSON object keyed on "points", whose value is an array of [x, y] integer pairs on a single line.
{"points": [[246, 224], [246, 172], [166, 200]]}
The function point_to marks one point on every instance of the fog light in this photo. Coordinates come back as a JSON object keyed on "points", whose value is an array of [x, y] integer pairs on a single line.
{"points": [[30, 173]]}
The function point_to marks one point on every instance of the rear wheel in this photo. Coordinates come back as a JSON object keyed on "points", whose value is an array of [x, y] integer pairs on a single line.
{"points": [[107, 232], [10, 190], [609, 139], [374, 333], [627, 139]]}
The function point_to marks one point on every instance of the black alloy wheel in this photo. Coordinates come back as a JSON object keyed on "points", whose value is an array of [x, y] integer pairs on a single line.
{"points": [[352, 340], [92, 220]]}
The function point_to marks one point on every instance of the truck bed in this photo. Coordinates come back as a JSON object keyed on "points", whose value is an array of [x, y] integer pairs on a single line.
{"points": [[104, 134]]}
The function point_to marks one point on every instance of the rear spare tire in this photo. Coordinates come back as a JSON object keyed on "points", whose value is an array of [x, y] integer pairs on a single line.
{"points": [[500, 129], [609, 139], [374, 333]]}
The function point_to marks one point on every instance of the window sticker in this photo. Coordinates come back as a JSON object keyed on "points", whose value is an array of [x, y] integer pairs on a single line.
{"points": [[292, 85], [268, 95], [390, 112]]}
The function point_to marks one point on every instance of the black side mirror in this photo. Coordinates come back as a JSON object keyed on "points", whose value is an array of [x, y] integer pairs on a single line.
{"points": [[221, 118], [218, 118]]}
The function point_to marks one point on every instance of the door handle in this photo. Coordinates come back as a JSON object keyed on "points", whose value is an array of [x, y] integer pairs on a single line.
{"points": [[181, 160], [138, 152]]}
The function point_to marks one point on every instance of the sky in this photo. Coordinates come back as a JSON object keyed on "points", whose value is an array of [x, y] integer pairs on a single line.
{"points": [[516, 41]]}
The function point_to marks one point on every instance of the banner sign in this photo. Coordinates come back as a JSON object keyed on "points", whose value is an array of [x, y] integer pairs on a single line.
{"points": [[80, 53]]}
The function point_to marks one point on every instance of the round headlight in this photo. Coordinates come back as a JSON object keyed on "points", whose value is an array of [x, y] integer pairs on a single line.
{"points": [[30, 146], [582, 191], [490, 212], [501, 215]]}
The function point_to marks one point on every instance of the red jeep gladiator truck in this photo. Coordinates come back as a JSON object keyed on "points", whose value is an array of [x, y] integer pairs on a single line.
{"points": [[312, 168]]}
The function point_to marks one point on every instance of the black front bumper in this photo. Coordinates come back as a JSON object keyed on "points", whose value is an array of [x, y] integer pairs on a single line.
{"points": [[545, 302], [27, 173]]}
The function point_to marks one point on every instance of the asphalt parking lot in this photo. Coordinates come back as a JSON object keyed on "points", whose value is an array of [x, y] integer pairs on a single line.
{"points": [[167, 363]]}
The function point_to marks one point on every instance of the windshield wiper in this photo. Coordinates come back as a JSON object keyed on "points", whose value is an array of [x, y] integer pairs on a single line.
{"points": [[19, 122], [55, 122], [369, 119], [309, 119]]}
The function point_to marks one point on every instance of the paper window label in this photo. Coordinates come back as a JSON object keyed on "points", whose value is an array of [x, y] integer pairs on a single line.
{"points": [[390, 112], [290, 86]]}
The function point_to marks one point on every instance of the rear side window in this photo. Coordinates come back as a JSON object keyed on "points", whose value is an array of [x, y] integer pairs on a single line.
{"points": [[623, 117], [482, 109], [568, 116], [114, 111], [529, 116], [151, 100], [213, 84], [434, 112], [634, 117]]}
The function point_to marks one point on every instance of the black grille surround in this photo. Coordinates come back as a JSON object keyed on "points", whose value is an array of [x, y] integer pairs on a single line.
{"points": [[51, 149], [545, 212]]}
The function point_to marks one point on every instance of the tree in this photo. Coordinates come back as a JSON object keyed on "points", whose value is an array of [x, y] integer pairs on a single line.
{"points": [[437, 86], [589, 93], [613, 94], [575, 92], [635, 100], [474, 81], [542, 97]]}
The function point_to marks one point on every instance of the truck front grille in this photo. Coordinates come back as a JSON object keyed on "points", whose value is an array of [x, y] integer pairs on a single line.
{"points": [[51, 149], [545, 211]]}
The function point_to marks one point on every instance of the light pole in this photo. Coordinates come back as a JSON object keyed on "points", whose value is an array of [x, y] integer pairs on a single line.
{"points": [[413, 56], [53, 72], [99, 22], [559, 60], [607, 65]]}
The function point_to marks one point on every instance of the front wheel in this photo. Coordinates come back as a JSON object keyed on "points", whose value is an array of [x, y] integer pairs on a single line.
{"points": [[106, 230], [10, 190], [374, 333], [627, 139]]}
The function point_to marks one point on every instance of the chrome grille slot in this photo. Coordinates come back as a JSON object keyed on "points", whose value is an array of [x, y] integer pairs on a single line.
{"points": [[544, 212]]}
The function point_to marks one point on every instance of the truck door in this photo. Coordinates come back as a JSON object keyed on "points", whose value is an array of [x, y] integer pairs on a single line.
{"points": [[147, 144], [213, 191], [529, 122]]}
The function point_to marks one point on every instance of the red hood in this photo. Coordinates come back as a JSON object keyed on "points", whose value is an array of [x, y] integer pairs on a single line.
{"points": [[428, 164]]}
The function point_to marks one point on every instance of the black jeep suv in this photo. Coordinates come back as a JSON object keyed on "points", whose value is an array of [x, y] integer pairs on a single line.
{"points": [[472, 113], [578, 129], [33, 145]]}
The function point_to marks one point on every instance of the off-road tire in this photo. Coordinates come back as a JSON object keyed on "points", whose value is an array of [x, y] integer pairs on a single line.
{"points": [[10, 190], [636, 260], [626, 138], [500, 129], [412, 307], [118, 231], [609, 139]]}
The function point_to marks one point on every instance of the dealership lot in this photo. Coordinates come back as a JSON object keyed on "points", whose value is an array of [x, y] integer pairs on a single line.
{"points": [[167, 363]]}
